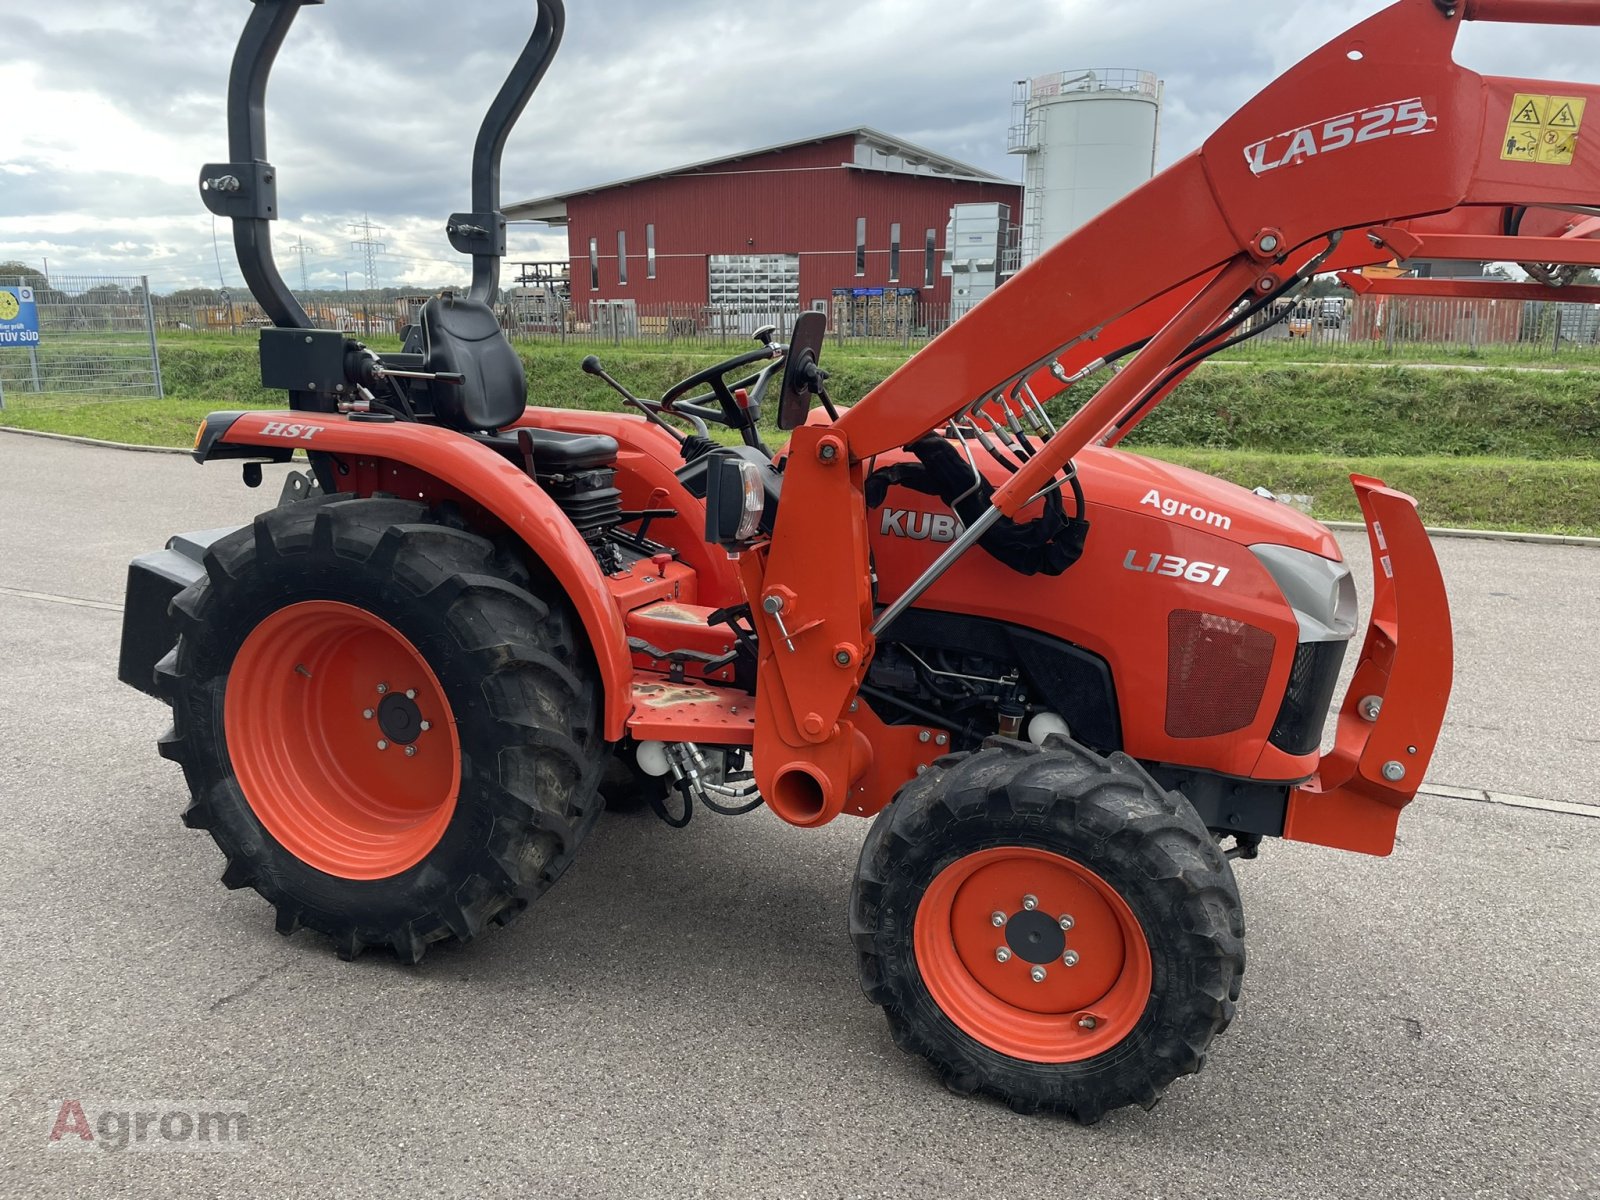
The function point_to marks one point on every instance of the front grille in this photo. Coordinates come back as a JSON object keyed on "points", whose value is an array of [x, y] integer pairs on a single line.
{"points": [[1216, 672], [1298, 729]]}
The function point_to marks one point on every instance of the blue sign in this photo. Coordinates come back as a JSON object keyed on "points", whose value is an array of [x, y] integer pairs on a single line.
{"points": [[19, 317]]}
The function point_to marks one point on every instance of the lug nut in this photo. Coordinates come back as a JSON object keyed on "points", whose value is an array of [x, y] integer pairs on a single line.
{"points": [[1003, 954], [1087, 1022], [997, 919], [411, 751], [1066, 921], [1037, 974], [411, 693], [366, 714], [382, 688], [425, 726], [1030, 902], [382, 745], [1069, 959], [924, 736], [941, 740]]}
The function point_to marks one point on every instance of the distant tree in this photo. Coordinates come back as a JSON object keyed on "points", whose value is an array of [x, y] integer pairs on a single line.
{"points": [[1327, 285], [12, 273], [195, 295], [106, 293]]}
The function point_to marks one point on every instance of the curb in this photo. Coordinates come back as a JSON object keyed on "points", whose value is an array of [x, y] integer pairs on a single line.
{"points": [[1488, 535], [1439, 791], [86, 441]]}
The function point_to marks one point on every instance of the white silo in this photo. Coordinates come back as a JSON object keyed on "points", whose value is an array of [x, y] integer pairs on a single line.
{"points": [[1089, 138]]}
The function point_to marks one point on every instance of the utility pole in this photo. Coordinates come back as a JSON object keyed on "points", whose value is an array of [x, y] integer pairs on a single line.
{"points": [[370, 248]]}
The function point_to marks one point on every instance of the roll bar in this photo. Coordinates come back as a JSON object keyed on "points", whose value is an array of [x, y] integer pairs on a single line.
{"points": [[245, 189]]}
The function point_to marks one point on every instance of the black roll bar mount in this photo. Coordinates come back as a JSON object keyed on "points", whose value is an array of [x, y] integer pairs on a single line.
{"points": [[245, 189]]}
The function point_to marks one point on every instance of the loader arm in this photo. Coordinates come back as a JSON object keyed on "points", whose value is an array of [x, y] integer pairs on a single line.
{"points": [[1377, 131]]}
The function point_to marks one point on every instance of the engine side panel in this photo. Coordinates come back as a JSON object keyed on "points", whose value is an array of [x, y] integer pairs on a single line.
{"points": [[1196, 633]]}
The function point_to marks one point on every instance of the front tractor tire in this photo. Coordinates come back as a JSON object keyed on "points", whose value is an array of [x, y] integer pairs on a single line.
{"points": [[391, 731], [1048, 927]]}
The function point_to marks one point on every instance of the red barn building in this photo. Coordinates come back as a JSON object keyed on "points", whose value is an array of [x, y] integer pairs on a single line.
{"points": [[780, 228]]}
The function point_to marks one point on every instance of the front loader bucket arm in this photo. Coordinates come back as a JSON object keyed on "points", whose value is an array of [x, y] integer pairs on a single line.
{"points": [[1376, 127], [1377, 133]]}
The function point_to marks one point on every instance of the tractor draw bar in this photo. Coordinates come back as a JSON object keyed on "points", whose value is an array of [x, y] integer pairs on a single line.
{"points": [[245, 189]]}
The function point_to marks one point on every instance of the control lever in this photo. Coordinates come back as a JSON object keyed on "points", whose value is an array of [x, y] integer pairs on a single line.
{"points": [[379, 371], [591, 366]]}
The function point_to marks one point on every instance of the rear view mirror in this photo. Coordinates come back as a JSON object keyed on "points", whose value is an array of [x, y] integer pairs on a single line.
{"points": [[801, 378]]}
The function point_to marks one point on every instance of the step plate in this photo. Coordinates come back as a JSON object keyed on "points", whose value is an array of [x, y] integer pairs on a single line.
{"points": [[690, 712]]}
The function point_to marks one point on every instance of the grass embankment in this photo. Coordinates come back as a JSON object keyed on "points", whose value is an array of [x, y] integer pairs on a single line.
{"points": [[1486, 448], [1331, 349]]}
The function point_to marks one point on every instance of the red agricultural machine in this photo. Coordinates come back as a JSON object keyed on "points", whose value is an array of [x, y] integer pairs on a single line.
{"points": [[1067, 683]]}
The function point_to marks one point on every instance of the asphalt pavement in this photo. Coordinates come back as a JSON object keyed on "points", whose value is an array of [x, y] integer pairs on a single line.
{"points": [[680, 1016]]}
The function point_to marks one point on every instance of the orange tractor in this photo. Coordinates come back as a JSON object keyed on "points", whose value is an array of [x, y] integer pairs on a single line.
{"points": [[1066, 683]]}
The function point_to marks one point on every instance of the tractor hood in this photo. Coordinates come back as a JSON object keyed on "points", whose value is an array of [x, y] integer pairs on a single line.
{"points": [[1117, 479]]}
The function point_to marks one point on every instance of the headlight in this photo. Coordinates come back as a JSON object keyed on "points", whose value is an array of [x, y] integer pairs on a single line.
{"points": [[1321, 592]]}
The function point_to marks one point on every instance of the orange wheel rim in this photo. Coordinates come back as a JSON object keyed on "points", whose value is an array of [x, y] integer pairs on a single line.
{"points": [[342, 740], [1032, 954]]}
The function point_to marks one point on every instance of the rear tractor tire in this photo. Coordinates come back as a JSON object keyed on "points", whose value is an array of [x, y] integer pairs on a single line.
{"points": [[1049, 927], [389, 728]]}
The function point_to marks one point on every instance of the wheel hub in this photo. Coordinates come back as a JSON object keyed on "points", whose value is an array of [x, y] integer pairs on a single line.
{"points": [[305, 690], [1035, 937], [400, 718], [992, 935]]}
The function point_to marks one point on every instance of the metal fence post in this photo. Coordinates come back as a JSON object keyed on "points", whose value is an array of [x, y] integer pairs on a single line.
{"points": [[150, 327]]}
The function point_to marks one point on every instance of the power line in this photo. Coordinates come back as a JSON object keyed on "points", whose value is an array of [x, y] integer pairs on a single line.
{"points": [[217, 250]]}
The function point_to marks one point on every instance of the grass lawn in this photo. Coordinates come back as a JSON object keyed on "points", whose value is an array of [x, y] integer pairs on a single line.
{"points": [[1489, 448]]}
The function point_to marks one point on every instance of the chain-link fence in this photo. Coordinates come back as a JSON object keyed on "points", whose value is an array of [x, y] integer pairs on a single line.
{"points": [[95, 338], [1411, 328], [1364, 328], [544, 317]]}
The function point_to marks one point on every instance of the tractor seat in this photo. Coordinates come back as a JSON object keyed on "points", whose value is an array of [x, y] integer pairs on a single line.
{"points": [[556, 452], [462, 335]]}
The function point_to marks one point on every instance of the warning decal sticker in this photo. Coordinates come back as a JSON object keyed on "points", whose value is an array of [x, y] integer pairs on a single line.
{"points": [[1543, 129]]}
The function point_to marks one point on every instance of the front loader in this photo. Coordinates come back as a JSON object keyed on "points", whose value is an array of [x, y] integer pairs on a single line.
{"points": [[1067, 683]]}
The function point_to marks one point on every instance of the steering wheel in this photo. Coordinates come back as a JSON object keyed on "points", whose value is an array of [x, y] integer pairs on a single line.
{"points": [[729, 411], [733, 414]]}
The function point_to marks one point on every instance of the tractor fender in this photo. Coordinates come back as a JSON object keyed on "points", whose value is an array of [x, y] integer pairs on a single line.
{"points": [[475, 473]]}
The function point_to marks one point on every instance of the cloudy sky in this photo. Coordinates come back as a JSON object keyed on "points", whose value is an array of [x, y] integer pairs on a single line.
{"points": [[114, 104]]}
